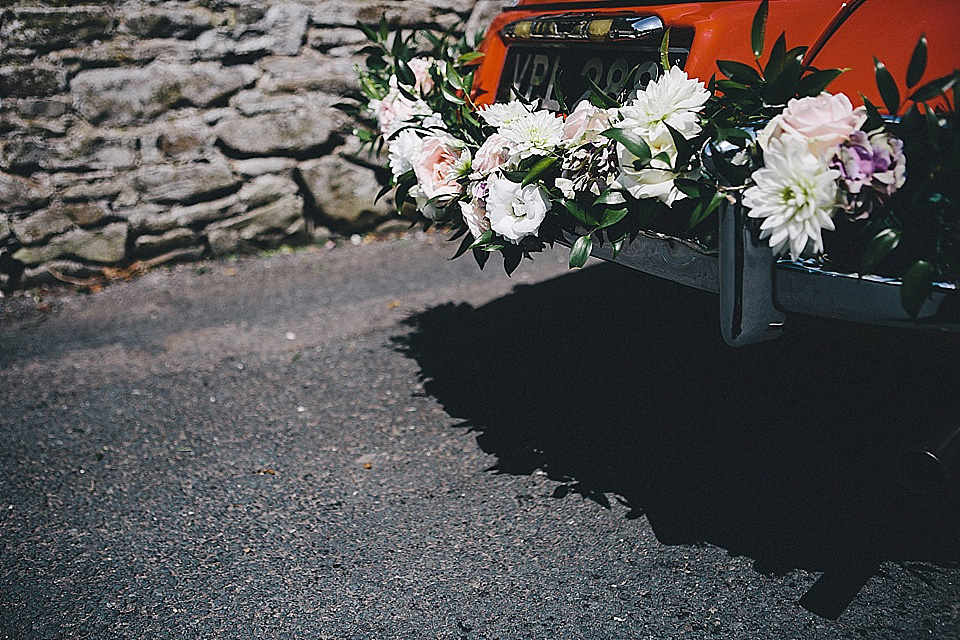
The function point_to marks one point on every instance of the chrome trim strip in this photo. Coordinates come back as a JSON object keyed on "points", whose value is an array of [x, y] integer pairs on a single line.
{"points": [[584, 28]]}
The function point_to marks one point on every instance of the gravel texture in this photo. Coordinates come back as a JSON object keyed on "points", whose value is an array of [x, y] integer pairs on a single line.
{"points": [[375, 442]]}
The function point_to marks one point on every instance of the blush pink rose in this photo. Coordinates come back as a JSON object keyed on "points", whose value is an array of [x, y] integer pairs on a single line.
{"points": [[585, 124], [434, 168], [824, 122], [421, 71], [492, 154]]}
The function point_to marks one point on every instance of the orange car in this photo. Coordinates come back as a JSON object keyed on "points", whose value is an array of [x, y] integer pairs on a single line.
{"points": [[554, 51], [603, 39]]}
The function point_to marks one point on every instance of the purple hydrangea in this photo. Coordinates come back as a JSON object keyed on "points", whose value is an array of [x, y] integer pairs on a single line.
{"points": [[872, 167]]}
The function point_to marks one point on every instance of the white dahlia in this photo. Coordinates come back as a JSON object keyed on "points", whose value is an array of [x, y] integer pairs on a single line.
{"points": [[795, 194], [403, 150], [503, 113], [536, 133], [673, 98]]}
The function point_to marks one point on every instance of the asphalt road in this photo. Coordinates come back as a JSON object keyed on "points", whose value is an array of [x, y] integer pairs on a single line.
{"points": [[376, 442]]}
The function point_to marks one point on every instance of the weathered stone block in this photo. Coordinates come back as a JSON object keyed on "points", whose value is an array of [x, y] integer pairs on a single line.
{"points": [[36, 108], [103, 246], [17, 192], [38, 79], [266, 189], [344, 193], [441, 13], [168, 22], [185, 138], [287, 24], [144, 217], [45, 28], [93, 190], [299, 132], [86, 214], [184, 183], [124, 51], [310, 72], [326, 39], [86, 148], [282, 31], [206, 211], [152, 245], [41, 225], [279, 215], [127, 96], [259, 166]]}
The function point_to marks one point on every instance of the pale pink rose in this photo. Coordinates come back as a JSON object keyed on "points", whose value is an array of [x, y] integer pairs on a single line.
{"points": [[824, 122], [395, 111], [492, 154], [585, 124], [434, 167], [475, 211], [421, 71]]}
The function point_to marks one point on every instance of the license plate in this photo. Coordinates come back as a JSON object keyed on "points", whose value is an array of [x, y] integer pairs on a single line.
{"points": [[533, 73]]}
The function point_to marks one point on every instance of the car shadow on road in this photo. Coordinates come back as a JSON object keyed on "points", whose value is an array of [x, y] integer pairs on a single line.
{"points": [[619, 387]]}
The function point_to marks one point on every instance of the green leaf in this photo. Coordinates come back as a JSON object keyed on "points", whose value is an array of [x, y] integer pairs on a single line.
{"points": [[633, 142], [785, 85], [759, 29], [538, 169], [383, 29], [481, 257], [704, 208], [665, 50], [685, 148], [617, 246], [557, 90], [916, 287], [579, 213], [606, 102], [777, 59], [918, 62], [448, 95], [511, 259], [610, 196], [738, 72], [879, 247], [470, 57], [367, 31], [580, 251], [405, 73], [814, 83], [484, 238], [935, 88], [888, 87], [455, 79], [691, 188], [611, 217], [874, 119], [464, 245]]}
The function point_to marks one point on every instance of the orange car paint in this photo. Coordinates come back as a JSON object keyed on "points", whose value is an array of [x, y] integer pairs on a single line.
{"points": [[887, 29]]}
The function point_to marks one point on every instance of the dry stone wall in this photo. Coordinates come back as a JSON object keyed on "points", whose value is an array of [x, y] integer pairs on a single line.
{"points": [[154, 131]]}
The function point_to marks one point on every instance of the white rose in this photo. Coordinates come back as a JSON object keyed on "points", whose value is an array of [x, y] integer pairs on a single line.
{"points": [[514, 211], [656, 181]]}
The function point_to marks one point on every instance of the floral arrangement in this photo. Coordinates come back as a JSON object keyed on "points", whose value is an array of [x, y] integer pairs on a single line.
{"points": [[825, 181]]}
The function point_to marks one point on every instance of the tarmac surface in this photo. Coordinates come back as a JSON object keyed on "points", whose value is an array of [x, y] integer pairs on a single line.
{"points": [[375, 442]]}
